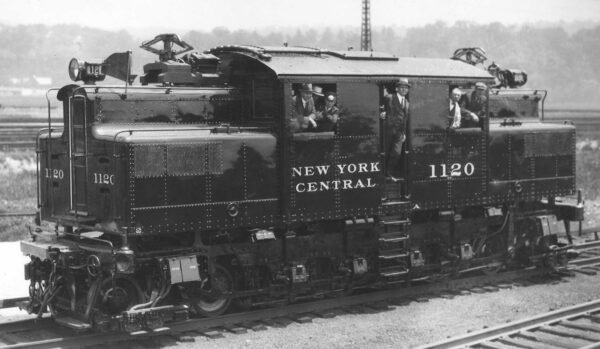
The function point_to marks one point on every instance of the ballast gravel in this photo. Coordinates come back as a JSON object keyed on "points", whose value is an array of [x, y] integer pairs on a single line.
{"points": [[417, 323]]}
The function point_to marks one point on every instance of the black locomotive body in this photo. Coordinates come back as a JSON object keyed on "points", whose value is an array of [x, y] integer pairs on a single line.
{"points": [[192, 191]]}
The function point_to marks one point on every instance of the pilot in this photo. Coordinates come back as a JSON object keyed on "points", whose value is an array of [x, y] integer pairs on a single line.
{"points": [[459, 116], [304, 110], [395, 113], [327, 118]]}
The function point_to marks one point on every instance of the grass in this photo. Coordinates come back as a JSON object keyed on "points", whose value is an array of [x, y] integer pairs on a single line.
{"points": [[588, 168], [17, 193]]}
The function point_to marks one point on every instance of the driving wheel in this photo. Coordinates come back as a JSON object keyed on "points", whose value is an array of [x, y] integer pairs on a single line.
{"points": [[211, 297]]}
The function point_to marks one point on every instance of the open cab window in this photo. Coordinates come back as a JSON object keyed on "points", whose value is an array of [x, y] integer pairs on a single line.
{"points": [[314, 108], [467, 106]]}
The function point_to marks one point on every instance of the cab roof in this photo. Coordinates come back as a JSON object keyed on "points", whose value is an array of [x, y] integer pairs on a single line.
{"points": [[290, 62]]}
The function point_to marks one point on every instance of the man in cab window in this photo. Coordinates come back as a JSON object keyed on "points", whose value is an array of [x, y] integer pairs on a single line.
{"points": [[459, 116], [304, 112], [478, 100], [328, 116]]}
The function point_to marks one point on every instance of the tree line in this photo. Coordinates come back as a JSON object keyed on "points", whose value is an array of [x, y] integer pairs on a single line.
{"points": [[562, 63]]}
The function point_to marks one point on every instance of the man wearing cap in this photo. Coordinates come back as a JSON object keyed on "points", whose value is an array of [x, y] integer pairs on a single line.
{"points": [[318, 97], [304, 110], [477, 102], [327, 118], [395, 115]]}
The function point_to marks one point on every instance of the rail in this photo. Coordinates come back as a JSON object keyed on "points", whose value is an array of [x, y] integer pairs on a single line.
{"points": [[563, 328]]}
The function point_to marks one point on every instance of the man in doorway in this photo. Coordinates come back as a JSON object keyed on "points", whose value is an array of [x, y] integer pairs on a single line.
{"points": [[395, 116]]}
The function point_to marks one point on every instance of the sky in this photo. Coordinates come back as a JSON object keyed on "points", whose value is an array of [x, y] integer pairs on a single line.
{"points": [[204, 15]]}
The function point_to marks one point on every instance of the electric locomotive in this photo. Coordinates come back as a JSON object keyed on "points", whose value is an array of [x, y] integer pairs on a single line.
{"points": [[190, 191]]}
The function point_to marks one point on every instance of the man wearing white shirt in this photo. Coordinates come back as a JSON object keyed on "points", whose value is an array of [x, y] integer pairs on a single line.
{"points": [[459, 116]]}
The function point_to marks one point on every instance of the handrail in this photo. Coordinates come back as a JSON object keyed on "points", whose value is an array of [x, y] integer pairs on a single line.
{"points": [[543, 102], [48, 158], [167, 89]]}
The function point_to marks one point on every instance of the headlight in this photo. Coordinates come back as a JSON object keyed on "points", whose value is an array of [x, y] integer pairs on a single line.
{"points": [[86, 71], [75, 68], [125, 261]]}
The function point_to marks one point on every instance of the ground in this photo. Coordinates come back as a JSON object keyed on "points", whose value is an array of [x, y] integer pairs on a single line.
{"points": [[417, 323]]}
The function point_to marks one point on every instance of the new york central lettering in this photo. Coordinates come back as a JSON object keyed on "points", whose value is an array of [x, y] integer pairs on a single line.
{"points": [[338, 183], [362, 167]]}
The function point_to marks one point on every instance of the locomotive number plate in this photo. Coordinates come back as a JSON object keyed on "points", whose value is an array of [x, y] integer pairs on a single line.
{"points": [[104, 178], [454, 170], [55, 173]]}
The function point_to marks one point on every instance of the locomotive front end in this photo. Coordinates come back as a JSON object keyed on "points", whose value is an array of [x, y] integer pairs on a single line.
{"points": [[129, 181], [533, 163]]}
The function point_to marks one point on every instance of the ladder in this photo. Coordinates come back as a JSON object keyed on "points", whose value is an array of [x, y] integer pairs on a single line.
{"points": [[394, 252]]}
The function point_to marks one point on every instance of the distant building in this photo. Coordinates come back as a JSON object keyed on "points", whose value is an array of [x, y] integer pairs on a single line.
{"points": [[33, 81], [26, 86], [43, 80]]}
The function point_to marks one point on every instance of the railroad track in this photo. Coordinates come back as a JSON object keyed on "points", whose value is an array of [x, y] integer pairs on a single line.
{"points": [[573, 327], [48, 334], [20, 135]]}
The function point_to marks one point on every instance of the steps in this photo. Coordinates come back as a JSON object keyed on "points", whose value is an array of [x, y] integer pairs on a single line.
{"points": [[394, 252]]}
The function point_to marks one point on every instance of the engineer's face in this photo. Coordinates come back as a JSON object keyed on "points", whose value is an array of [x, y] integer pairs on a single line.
{"points": [[455, 96], [306, 95], [403, 90]]}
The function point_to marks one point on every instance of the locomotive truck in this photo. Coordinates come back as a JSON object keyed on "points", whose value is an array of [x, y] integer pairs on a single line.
{"points": [[190, 192]]}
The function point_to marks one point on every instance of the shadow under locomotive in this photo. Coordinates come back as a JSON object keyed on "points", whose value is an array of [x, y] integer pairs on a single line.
{"points": [[196, 189]]}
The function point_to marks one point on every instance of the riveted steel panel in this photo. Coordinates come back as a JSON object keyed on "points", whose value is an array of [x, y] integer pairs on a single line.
{"points": [[314, 183], [215, 158], [149, 160], [183, 190], [548, 144], [360, 170], [186, 160], [149, 192]]}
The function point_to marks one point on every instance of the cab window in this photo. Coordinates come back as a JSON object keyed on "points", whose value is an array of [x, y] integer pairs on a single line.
{"points": [[314, 108], [467, 105]]}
